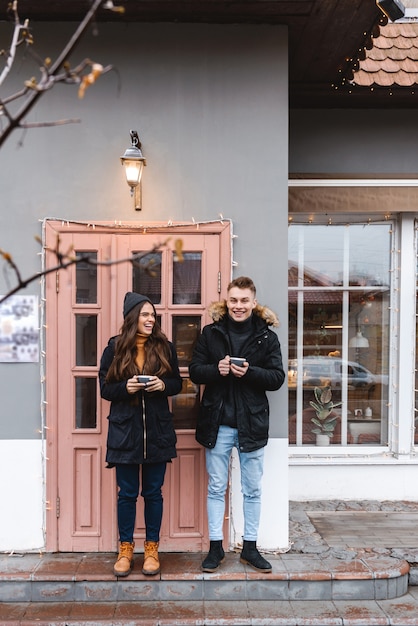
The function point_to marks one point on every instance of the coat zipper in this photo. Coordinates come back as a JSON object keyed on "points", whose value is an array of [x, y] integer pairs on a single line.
{"points": [[144, 426]]}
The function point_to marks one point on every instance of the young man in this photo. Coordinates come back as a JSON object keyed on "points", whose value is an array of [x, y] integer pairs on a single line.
{"points": [[234, 410]]}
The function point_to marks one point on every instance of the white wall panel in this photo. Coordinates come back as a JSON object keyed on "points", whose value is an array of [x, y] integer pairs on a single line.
{"points": [[273, 532], [21, 495], [353, 480]]}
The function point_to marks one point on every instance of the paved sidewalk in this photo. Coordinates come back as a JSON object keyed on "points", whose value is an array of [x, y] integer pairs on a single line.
{"points": [[347, 529], [340, 552]]}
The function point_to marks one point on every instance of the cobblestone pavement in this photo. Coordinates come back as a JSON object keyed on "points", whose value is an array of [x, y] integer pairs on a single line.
{"points": [[305, 539]]}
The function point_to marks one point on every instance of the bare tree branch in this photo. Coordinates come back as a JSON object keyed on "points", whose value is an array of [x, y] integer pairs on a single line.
{"points": [[51, 73], [66, 260], [70, 120], [14, 44]]}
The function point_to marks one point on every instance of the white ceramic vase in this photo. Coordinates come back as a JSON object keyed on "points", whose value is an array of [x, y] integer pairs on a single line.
{"points": [[322, 440]]}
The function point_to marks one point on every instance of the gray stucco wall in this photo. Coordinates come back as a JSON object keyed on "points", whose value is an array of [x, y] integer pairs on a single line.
{"points": [[353, 142], [210, 106]]}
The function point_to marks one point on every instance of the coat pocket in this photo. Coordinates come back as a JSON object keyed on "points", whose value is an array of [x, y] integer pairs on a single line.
{"points": [[259, 422], [166, 434], [121, 435]]}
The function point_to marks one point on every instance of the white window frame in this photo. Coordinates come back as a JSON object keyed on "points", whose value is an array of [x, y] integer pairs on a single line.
{"points": [[402, 337], [404, 345]]}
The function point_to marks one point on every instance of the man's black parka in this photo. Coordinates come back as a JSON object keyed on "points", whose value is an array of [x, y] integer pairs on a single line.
{"points": [[265, 373]]}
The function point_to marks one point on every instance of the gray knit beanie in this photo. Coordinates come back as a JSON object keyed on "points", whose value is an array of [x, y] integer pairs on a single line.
{"points": [[131, 300]]}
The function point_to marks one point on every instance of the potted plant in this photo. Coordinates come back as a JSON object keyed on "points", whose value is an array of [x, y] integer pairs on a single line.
{"points": [[325, 419]]}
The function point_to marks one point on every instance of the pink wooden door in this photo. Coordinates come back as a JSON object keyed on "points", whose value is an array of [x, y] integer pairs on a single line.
{"points": [[83, 309]]}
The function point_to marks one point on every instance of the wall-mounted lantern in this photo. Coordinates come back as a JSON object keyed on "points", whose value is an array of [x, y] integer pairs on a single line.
{"points": [[133, 162]]}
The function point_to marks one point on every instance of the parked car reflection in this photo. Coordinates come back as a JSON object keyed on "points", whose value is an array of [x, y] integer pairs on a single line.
{"points": [[323, 370]]}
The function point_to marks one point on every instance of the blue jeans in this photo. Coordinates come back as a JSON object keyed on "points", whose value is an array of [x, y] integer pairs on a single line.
{"points": [[127, 479], [217, 466]]}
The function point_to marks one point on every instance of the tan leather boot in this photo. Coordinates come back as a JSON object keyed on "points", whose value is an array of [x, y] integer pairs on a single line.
{"points": [[125, 560], [151, 560]]}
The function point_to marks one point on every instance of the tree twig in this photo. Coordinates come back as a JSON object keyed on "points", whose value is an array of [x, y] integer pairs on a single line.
{"points": [[50, 74], [66, 260]]}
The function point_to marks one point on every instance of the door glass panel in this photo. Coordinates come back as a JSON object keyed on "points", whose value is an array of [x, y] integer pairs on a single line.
{"points": [[339, 306], [187, 278], [186, 329], [86, 279], [146, 276], [186, 405], [86, 339], [85, 402]]}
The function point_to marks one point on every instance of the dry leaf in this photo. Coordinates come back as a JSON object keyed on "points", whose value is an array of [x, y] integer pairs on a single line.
{"points": [[90, 79]]}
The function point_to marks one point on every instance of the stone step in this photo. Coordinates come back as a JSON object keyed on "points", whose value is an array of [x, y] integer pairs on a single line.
{"points": [[402, 611], [88, 578]]}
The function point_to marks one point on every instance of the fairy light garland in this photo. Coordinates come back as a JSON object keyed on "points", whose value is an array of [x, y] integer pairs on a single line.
{"points": [[43, 405], [346, 73], [117, 224]]}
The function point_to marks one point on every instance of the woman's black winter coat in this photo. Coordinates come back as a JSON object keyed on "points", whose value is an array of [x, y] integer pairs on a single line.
{"points": [[265, 373], [141, 428]]}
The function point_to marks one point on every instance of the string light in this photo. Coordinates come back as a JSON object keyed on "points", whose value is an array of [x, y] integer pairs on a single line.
{"points": [[135, 226], [46, 505], [44, 403]]}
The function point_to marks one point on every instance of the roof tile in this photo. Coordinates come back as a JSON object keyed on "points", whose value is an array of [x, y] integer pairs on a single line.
{"points": [[393, 60]]}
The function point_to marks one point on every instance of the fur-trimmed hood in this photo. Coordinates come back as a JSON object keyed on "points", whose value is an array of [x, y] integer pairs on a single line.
{"points": [[218, 310]]}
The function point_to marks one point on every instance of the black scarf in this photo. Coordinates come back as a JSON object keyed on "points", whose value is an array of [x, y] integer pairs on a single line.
{"points": [[238, 333]]}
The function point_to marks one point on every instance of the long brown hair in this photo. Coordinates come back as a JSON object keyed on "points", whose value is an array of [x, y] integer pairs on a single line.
{"points": [[157, 349]]}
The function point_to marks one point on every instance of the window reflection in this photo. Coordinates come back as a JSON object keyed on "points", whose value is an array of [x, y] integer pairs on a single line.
{"points": [[339, 329], [86, 279], [86, 339], [369, 255], [187, 278], [86, 402], [186, 329], [146, 276], [186, 405], [336, 255]]}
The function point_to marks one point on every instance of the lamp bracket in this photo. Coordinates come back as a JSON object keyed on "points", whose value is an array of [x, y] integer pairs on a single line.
{"points": [[135, 139], [137, 193]]}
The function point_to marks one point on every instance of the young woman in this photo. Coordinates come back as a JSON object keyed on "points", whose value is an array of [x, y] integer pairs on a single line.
{"points": [[141, 431]]}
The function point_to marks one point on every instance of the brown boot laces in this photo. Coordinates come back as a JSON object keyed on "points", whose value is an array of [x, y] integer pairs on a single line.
{"points": [[125, 551], [151, 550]]}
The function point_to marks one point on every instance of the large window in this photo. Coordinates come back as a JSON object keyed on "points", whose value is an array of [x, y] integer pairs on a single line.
{"points": [[339, 322]]}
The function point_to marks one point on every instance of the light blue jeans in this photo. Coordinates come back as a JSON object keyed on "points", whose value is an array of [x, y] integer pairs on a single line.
{"points": [[217, 466]]}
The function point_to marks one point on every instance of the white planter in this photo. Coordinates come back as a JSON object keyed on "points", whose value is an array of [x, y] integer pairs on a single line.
{"points": [[322, 440]]}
